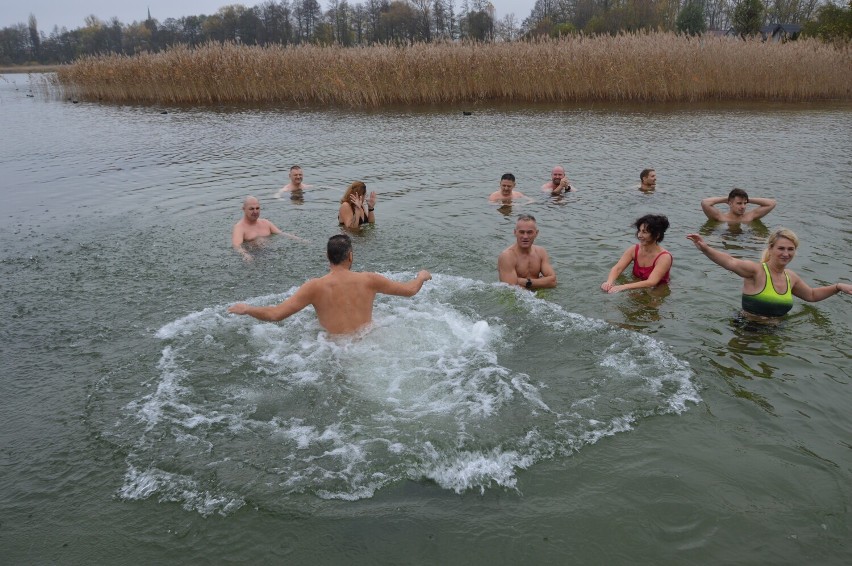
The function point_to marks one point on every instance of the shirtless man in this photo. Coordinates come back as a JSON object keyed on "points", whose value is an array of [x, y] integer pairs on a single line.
{"points": [[558, 183], [251, 227], [737, 201], [648, 180], [507, 192], [295, 185], [524, 264], [343, 299]]}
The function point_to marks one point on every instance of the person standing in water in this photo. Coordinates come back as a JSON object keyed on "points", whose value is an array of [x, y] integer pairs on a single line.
{"points": [[343, 299], [507, 193], [558, 183], [295, 185], [647, 180], [651, 263], [523, 263], [251, 227], [768, 286], [738, 201]]}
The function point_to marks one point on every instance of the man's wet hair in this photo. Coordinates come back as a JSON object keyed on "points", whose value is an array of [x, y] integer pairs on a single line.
{"points": [[645, 173], [526, 217], [295, 167], [507, 177], [737, 193], [655, 224], [338, 248]]}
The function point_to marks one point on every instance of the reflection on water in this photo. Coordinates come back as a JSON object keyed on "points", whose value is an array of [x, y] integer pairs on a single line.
{"points": [[736, 235], [641, 306]]}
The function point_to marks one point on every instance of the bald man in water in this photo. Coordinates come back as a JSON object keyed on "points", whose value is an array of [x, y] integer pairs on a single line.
{"points": [[343, 299], [251, 227], [558, 183]]}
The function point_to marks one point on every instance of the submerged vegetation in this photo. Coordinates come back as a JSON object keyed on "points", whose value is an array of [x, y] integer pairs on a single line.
{"points": [[655, 67]]}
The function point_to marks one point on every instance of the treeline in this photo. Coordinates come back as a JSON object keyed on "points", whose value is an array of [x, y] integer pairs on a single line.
{"points": [[289, 22]]}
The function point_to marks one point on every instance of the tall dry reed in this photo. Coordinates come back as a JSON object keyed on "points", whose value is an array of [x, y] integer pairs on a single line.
{"points": [[653, 67]]}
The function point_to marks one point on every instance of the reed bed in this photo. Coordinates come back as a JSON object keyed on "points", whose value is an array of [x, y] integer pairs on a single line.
{"points": [[652, 67]]}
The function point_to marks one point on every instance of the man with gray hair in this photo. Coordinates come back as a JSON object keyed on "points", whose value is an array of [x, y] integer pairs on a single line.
{"points": [[523, 263]]}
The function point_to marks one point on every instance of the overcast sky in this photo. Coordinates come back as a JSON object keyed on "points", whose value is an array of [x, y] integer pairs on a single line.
{"points": [[71, 13]]}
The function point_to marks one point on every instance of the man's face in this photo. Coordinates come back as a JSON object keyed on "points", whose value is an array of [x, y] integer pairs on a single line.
{"points": [[296, 176], [651, 179], [506, 187], [525, 233], [252, 210], [738, 205], [557, 175]]}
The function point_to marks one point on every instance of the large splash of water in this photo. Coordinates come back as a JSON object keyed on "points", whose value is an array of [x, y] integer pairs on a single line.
{"points": [[463, 385]]}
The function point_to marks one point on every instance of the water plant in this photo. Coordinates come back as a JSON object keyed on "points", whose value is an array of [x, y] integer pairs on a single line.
{"points": [[646, 67]]}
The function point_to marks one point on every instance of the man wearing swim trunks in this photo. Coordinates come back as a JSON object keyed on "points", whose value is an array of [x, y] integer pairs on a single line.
{"points": [[523, 263], [558, 183], [738, 200], [295, 185], [343, 299]]}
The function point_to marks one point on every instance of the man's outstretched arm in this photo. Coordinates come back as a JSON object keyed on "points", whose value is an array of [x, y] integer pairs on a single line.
{"points": [[296, 302], [402, 289]]}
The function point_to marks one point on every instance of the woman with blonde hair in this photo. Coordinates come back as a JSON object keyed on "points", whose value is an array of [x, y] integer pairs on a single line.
{"points": [[355, 207], [768, 286]]}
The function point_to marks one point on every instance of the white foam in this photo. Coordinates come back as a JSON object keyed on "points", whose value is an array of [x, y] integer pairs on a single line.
{"points": [[433, 390]]}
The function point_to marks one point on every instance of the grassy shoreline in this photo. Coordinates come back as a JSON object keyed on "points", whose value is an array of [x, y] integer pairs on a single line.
{"points": [[28, 69], [655, 67]]}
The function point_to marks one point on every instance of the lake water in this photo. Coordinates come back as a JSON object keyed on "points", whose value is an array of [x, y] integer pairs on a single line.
{"points": [[475, 424]]}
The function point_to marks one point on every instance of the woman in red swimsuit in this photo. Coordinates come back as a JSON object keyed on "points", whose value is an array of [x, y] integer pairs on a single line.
{"points": [[651, 263]]}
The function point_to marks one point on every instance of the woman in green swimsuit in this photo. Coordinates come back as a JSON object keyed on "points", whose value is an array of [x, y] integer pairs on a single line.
{"points": [[768, 287]]}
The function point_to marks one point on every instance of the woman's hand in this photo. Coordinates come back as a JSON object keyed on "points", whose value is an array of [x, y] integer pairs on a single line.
{"points": [[372, 201], [697, 240], [606, 286]]}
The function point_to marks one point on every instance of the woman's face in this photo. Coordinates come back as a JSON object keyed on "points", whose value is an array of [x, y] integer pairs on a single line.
{"points": [[782, 251], [644, 236]]}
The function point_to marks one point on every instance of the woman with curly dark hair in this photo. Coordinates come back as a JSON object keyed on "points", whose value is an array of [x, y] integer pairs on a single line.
{"points": [[651, 263]]}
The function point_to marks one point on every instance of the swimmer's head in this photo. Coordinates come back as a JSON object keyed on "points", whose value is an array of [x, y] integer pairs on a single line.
{"points": [[507, 184], [648, 176], [296, 175], [338, 249], [557, 174], [775, 237], [251, 208], [358, 187], [655, 224]]}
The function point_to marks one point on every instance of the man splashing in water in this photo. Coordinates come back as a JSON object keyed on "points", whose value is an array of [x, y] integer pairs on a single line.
{"points": [[342, 298]]}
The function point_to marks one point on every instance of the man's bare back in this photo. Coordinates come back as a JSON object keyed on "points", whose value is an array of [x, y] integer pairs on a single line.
{"points": [[343, 299]]}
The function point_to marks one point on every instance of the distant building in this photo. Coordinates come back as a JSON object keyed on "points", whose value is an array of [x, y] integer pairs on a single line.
{"points": [[780, 32]]}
